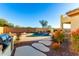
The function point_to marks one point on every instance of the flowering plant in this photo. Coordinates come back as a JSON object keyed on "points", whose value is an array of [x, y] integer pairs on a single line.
{"points": [[58, 35], [75, 34], [75, 40]]}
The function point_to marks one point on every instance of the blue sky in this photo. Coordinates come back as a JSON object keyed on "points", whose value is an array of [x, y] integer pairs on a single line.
{"points": [[29, 14]]}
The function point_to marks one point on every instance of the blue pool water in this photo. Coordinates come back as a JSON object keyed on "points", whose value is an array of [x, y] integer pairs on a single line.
{"points": [[39, 34]]}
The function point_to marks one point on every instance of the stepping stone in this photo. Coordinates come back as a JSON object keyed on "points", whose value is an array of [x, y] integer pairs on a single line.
{"points": [[41, 47], [48, 38], [28, 51], [46, 42]]}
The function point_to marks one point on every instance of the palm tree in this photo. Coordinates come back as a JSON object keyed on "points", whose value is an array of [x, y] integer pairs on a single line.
{"points": [[43, 23]]}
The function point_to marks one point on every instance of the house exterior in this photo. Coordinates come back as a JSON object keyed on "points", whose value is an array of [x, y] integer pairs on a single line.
{"points": [[72, 17]]}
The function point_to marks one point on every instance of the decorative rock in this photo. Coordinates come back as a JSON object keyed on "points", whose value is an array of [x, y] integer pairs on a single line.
{"points": [[41, 47], [28, 51], [65, 54], [46, 42]]}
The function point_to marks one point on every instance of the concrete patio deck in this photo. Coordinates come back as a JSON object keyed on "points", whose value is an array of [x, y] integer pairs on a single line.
{"points": [[24, 38]]}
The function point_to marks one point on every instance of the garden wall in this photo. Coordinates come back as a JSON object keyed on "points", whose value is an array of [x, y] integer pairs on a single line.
{"points": [[1, 30], [21, 30]]}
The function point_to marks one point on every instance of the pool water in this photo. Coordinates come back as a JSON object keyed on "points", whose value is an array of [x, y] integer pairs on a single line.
{"points": [[39, 34]]}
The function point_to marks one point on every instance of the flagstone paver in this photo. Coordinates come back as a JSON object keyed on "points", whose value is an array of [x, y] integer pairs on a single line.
{"points": [[41, 47], [28, 51], [46, 42]]}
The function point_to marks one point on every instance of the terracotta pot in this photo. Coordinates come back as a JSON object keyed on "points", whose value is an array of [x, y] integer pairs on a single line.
{"points": [[55, 45]]}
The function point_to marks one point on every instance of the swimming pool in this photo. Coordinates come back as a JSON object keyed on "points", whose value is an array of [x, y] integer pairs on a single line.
{"points": [[39, 34]]}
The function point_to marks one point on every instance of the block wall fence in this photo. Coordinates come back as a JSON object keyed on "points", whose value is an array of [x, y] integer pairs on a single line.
{"points": [[21, 30]]}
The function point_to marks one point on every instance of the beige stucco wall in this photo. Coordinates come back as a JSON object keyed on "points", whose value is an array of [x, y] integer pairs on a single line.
{"points": [[72, 17], [65, 19], [75, 22], [1, 30]]}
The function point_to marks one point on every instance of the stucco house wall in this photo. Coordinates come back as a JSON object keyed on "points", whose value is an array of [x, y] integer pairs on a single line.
{"points": [[72, 17], [75, 22]]}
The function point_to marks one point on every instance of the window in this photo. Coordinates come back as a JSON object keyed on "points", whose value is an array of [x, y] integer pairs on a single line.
{"points": [[67, 26]]}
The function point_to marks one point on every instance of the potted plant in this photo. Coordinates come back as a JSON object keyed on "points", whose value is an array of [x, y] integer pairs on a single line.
{"points": [[58, 37], [56, 45]]}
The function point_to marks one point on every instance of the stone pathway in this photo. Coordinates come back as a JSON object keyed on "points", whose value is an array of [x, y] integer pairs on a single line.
{"points": [[35, 49], [28, 51], [46, 42], [42, 48]]}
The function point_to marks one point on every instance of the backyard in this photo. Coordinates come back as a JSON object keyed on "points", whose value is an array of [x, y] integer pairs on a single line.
{"points": [[44, 46], [48, 35]]}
